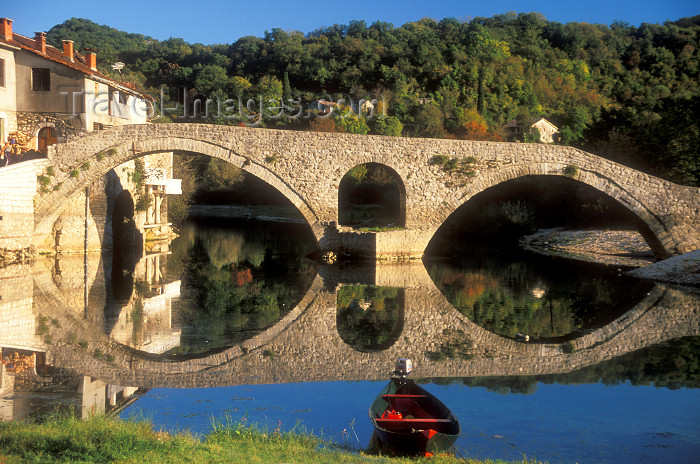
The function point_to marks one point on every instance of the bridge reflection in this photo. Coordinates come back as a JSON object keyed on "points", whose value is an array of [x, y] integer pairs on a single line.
{"points": [[44, 313]]}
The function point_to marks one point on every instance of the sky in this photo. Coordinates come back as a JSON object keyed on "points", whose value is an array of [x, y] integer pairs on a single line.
{"points": [[219, 21]]}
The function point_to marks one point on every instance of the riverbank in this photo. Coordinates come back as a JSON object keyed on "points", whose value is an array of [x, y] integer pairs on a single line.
{"points": [[259, 212], [109, 440], [613, 247], [624, 248]]}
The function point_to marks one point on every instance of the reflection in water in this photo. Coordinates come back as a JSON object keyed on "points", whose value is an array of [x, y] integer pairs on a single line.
{"points": [[370, 318], [515, 292], [237, 279], [221, 285]]}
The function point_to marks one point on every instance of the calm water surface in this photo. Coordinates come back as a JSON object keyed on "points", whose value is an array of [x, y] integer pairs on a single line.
{"points": [[237, 291]]}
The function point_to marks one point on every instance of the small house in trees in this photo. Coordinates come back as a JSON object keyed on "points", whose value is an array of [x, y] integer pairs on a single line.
{"points": [[517, 130], [322, 107]]}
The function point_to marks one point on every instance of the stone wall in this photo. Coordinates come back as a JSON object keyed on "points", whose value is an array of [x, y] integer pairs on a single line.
{"points": [[68, 126], [17, 191], [307, 167]]}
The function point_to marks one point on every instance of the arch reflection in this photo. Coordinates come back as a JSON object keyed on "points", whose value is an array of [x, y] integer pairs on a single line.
{"points": [[370, 318]]}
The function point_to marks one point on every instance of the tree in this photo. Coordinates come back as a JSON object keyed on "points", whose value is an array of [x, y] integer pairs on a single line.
{"points": [[352, 124], [221, 175], [323, 125], [578, 120], [475, 131], [210, 79], [286, 87], [486, 50], [388, 125], [533, 135], [428, 121]]}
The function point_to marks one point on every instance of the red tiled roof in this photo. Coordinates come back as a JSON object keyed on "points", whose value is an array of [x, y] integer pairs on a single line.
{"points": [[79, 62]]}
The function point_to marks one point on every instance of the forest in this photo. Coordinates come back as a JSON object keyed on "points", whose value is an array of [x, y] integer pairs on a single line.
{"points": [[626, 93]]}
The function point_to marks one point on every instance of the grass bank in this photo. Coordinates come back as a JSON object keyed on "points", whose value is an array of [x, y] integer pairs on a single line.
{"points": [[107, 440]]}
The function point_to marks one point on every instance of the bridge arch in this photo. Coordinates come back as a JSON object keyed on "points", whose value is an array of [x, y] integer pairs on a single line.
{"points": [[50, 207], [378, 183], [654, 231]]}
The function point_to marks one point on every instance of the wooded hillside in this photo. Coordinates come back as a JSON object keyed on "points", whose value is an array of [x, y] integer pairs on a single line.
{"points": [[627, 93]]}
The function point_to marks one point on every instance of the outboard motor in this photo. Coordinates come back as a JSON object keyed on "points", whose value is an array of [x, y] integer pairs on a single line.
{"points": [[404, 366]]}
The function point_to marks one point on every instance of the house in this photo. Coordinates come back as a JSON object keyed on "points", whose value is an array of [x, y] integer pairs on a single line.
{"points": [[50, 95], [322, 107], [515, 130]]}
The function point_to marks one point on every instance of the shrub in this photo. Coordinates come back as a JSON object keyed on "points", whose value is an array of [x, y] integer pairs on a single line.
{"points": [[568, 347], [142, 203], [571, 171], [390, 125], [439, 160], [44, 181]]}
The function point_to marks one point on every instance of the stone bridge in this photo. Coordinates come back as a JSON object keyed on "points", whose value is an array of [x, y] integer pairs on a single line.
{"points": [[307, 167], [305, 345]]}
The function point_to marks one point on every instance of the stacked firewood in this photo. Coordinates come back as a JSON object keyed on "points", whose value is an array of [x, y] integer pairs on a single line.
{"points": [[22, 141]]}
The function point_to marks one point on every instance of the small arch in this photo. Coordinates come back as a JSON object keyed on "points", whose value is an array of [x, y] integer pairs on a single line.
{"points": [[372, 195], [576, 204]]}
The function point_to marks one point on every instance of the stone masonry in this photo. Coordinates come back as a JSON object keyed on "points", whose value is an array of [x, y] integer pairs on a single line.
{"points": [[18, 188], [307, 168]]}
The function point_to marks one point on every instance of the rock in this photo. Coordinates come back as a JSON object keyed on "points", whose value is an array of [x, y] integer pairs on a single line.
{"points": [[683, 269]]}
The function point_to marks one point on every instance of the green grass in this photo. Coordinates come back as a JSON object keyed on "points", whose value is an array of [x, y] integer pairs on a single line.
{"points": [[107, 440]]}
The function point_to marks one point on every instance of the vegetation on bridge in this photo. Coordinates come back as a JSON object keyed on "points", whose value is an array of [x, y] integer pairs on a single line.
{"points": [[623, 92]]}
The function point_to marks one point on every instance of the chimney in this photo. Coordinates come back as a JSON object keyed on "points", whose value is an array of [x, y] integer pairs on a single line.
{"points": [[91, 58], [40, 39], [6, 29], [68, 49]]}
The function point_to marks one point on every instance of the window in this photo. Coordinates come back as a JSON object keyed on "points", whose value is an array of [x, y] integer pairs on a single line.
{"points": [[41, 79], [2, 72]]}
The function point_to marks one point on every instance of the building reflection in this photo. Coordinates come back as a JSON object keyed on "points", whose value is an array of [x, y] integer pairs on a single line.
{"points": [[30, 384]]}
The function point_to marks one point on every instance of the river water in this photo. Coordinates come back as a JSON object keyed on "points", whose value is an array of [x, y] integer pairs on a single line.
{"points": [[541, 357]]}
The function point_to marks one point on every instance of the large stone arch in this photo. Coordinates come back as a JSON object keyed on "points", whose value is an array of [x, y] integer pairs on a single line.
{"points": [[656, 233], [106, 158]]}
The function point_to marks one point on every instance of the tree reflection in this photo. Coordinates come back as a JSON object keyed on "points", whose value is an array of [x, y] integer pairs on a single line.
{"points": [[370, 318], [511, 294], [240, 278]]}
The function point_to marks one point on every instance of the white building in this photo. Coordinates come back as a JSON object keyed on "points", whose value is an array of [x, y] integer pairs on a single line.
{"points": [[50, 95]]}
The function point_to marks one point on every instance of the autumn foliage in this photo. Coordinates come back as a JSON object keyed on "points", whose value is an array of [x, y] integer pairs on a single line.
{"points": [[475, 131]]}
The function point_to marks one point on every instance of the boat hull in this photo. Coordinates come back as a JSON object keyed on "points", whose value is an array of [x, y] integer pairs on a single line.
{"points": [[426, 425]]}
